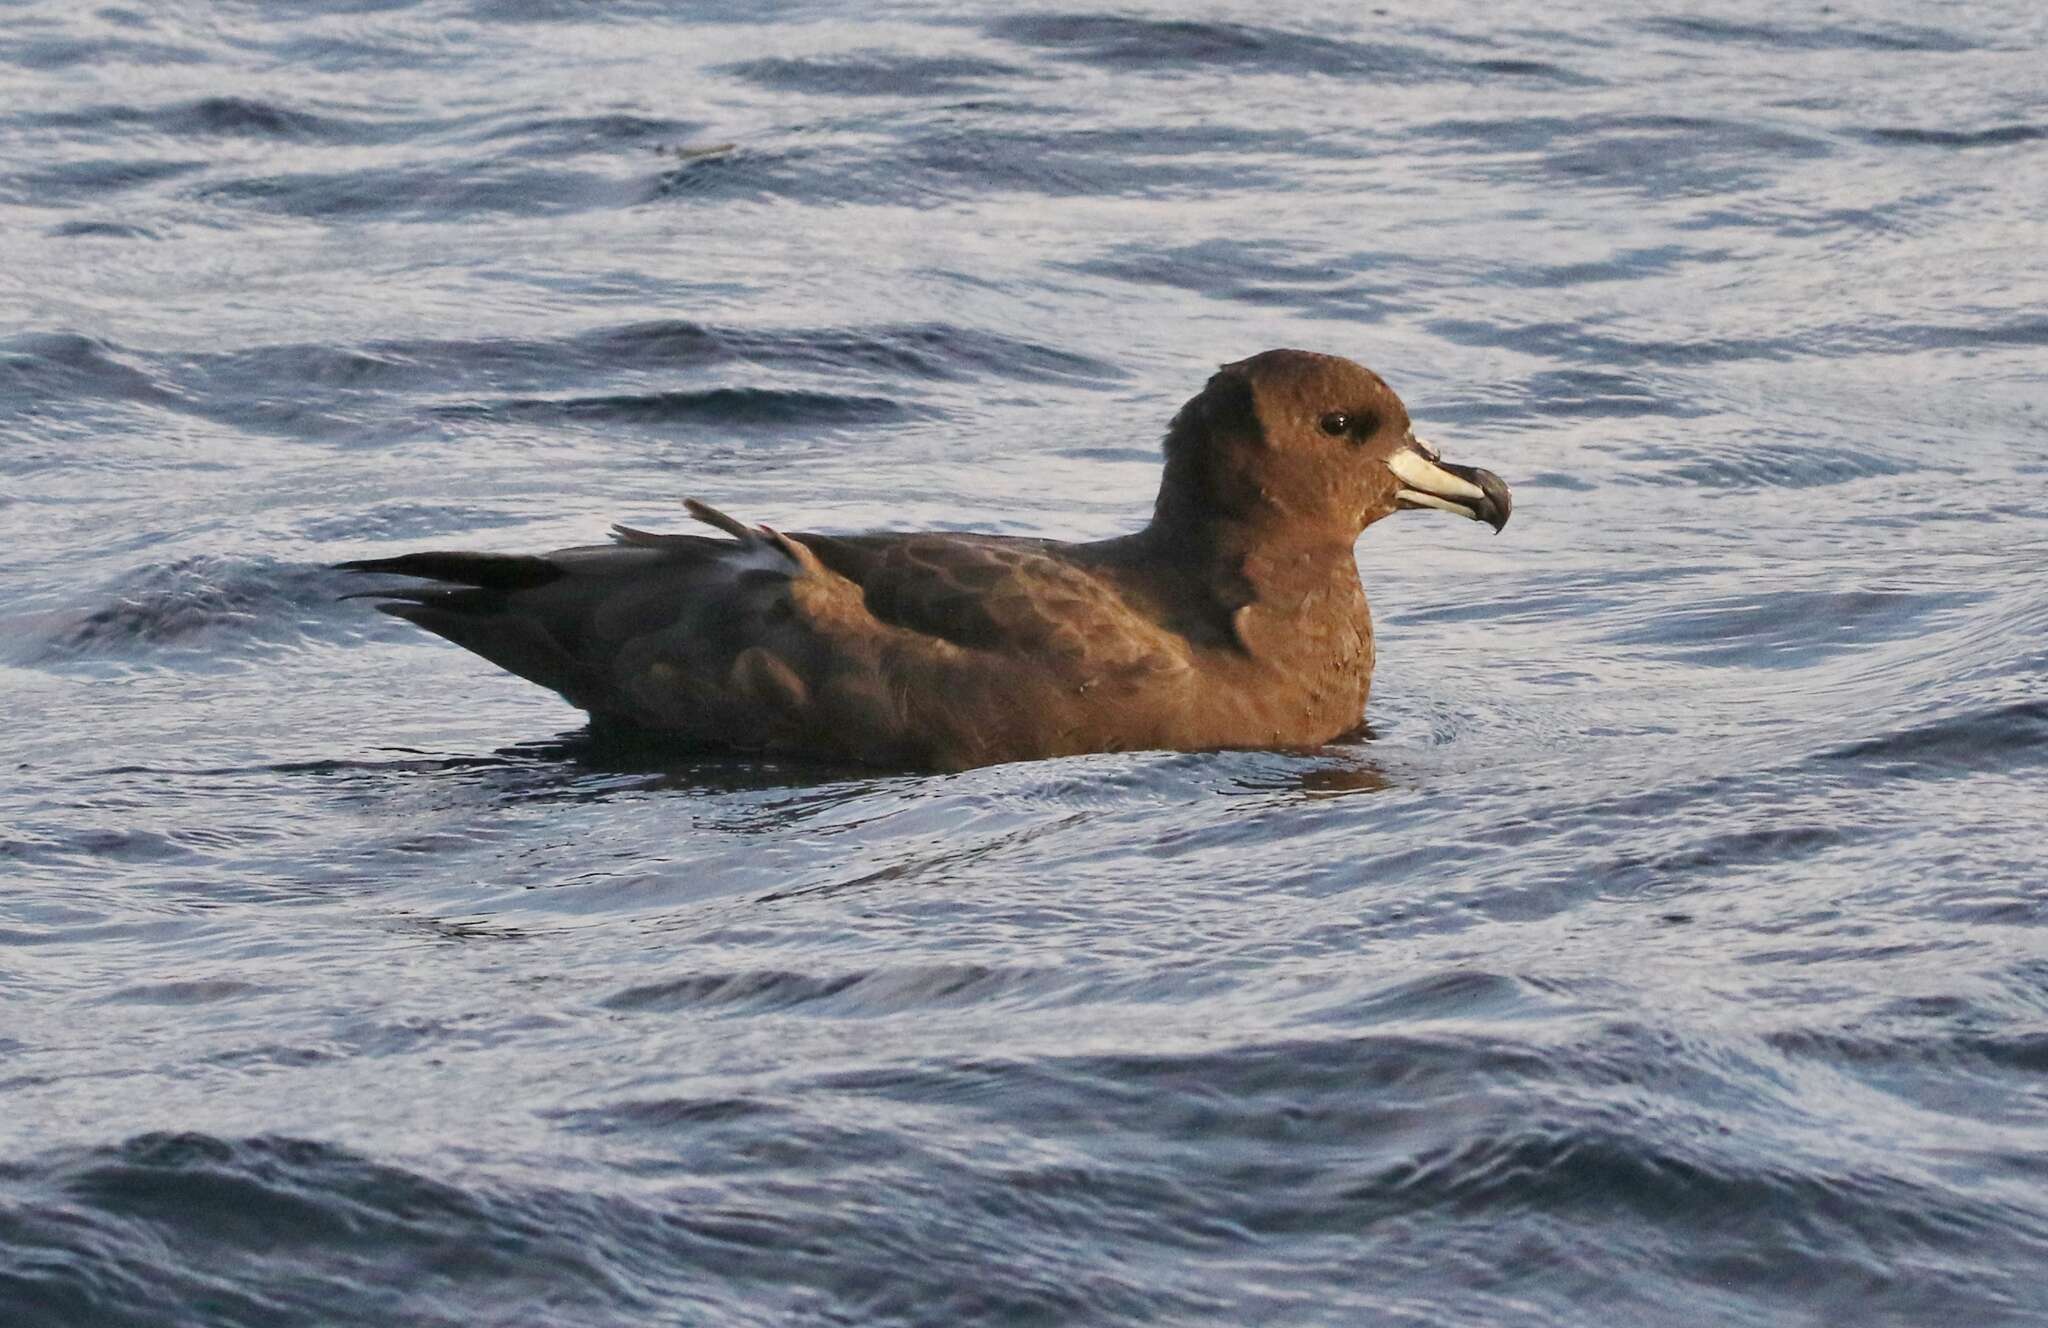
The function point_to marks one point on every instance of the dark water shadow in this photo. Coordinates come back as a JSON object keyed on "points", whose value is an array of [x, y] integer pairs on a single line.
{"points": [[1339, 770]]}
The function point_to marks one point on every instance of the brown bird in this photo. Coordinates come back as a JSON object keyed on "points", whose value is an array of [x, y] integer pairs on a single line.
{"points": [[1234, 619]]}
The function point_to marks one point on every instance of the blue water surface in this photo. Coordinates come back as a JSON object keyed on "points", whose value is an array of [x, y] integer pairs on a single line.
{"points": [[1674, 951]]}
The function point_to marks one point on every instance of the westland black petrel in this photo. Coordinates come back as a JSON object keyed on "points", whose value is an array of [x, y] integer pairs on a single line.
{"points": [[1234, 619]]}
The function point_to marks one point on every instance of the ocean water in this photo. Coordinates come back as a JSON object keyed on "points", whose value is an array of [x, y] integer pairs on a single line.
{"points": [[1674, 951]]}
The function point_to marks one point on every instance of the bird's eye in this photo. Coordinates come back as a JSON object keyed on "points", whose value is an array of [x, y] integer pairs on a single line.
{"points": [[1336, 424]]}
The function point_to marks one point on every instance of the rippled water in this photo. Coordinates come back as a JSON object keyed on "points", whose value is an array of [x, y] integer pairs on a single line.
{"points": [[1674, 952]]}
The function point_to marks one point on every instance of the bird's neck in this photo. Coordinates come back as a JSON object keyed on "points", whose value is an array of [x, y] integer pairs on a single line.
{"points": [[1264, 579]]}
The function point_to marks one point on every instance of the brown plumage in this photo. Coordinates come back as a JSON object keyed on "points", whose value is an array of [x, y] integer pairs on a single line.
{"points": [[1234, 619]]}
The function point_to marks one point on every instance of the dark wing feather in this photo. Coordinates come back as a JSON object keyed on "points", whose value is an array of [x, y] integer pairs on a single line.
{"points": [[495, 571], [558, 619], [926, 649], [988, 592]]}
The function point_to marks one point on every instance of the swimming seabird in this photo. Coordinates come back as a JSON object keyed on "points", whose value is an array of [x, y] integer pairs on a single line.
{"points": [[1234, 619]]}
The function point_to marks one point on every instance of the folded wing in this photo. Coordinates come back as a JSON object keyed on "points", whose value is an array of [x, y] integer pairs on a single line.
{"points": [[924, 649]]}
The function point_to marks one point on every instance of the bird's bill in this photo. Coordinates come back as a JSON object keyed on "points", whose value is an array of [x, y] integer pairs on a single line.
{"points": [[1429, 481]]}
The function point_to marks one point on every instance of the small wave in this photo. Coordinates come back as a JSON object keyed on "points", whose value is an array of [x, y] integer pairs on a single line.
{"points": [[739, 407], [192, 992], [1751, 1215], [1457, 994], [553, 11], [247, 117], [931, 351], [659, 1115], [942, 162], [436, 194], [103, 48], [543, 134], [753, 172], [48, 844], [2016, 332], [1996, 137], [876, 74], [266, 389], [1117, 41], [45, 367], [1542, 71], [1992, 1054], [2004, 737], [876, 992], [1106, 163], [1710, 857], [943, 159], [1757, 465], [189, 604], [1253, 272], [113, 230], [924, 350], [1811, 36], [1785, 628], [81, 182], [1585, 393], [350, 393], [1627, 265], [1659, 156], [206, 116], [273, 1230], [1589, 341]]}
